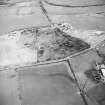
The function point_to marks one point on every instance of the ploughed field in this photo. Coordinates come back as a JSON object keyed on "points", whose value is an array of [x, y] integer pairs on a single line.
{"points": [[38, 45]]}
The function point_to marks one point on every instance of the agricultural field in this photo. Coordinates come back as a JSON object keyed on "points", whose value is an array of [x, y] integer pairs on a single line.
{"points": [[48, 52]]}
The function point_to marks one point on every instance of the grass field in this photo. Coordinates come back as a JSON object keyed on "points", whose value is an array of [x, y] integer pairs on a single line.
{"points": [[51, 84]]}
